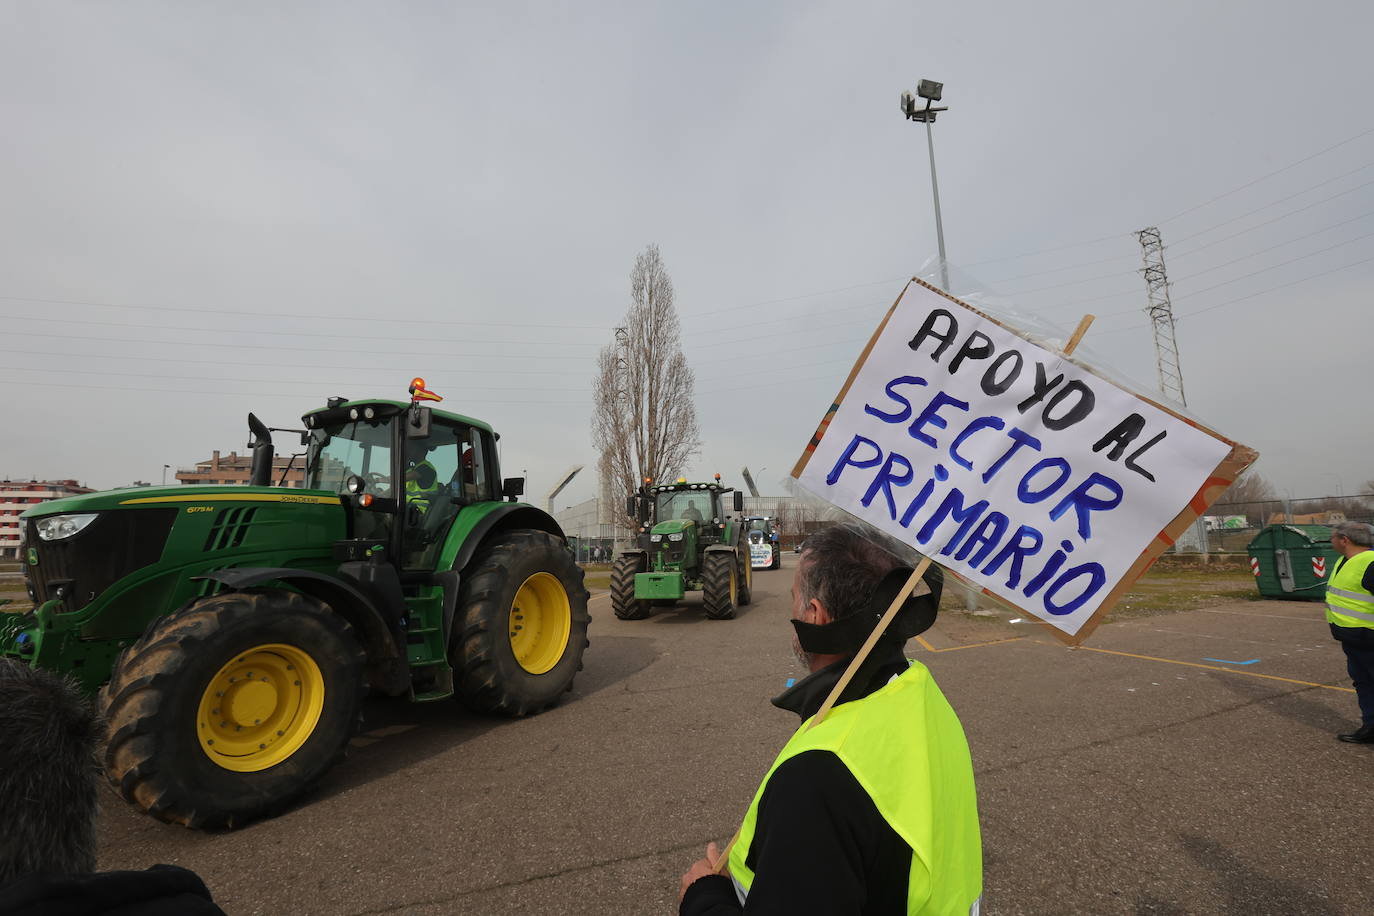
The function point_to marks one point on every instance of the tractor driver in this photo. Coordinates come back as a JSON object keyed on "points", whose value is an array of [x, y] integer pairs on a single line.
{"points": [[692, 512], [422, 483]]}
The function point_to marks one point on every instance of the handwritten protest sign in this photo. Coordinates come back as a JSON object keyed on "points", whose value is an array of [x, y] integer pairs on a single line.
{"points": [[1024, 473]]}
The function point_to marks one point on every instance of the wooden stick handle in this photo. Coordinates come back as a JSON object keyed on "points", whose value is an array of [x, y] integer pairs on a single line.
{"points": [[724, 859], [869, 643], [1078, 333]]}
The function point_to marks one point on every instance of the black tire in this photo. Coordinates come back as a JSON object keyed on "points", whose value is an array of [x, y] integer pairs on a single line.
{"points": [[720, 584], [745, 572], [161, 685], [492, 678], [777, 558], [623, 601]]}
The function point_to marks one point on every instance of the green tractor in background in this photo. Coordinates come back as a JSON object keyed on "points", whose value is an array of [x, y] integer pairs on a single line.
{"points": [[687, 542], [232, 631]]}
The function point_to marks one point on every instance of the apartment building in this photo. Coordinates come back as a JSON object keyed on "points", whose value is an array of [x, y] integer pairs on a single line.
{"points": [[234, 469], [17, 496]]}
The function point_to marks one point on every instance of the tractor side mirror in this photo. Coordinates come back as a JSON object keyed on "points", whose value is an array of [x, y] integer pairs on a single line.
{"points": [[739, 501], [513, 487], [417, 422], [632, 507]]}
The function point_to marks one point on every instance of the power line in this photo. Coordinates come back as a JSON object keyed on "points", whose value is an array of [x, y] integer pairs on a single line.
{"points": [[1059, 270], [825, 292], [1269, 222], [389, 318], [771, 321], [1283, 244], [1288, 198], [260, 379], [276, 333], [1269, 175], [1031, 254], [295, 349], [409, 370], [247, 394], [1267, 289]]}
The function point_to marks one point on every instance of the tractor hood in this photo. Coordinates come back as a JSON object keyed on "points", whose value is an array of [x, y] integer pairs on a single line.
{"points": [[673, 526], [134, 497]]}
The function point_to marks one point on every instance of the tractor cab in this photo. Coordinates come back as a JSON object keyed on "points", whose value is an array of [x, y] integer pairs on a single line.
{"points": [[406, 471]]}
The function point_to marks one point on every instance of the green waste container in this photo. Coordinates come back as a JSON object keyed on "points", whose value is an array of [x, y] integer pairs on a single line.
{"points": [[1293, 562]]}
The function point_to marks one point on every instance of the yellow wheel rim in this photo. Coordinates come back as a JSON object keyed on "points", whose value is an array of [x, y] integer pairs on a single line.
{"points": [[260, 708], [749, 573], [734, 586], [540, 623]]}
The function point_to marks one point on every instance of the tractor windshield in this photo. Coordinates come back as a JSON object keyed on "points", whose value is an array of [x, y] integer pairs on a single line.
{"points": [[338, 452], [693, 504]]}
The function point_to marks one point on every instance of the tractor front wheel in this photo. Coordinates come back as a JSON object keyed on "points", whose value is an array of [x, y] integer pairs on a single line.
{"points": [[232, 706], [623, 601], [720, 584], [522, 625]]}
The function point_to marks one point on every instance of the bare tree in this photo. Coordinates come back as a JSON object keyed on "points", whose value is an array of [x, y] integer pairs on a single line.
{"points": [[1250, 495], [644, 420]]}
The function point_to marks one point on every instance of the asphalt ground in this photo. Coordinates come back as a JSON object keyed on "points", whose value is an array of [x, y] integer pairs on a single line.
{"points": [[1178, 764]]}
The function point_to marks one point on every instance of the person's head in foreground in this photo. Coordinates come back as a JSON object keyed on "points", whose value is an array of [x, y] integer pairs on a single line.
{"points": [[48, 736]]}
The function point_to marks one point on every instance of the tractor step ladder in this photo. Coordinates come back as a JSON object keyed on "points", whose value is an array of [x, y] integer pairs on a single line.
{"points": [[425, 648]]}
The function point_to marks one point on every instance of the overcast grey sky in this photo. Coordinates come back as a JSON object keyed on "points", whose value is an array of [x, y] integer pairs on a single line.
{"points": [[216, 207]]}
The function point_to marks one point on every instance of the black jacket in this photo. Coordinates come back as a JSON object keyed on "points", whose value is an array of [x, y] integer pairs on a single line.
{"points": [[163, 890], [820, 845]]}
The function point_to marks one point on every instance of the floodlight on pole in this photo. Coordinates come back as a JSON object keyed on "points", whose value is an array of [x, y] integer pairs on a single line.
{"points": [[931, 92]]}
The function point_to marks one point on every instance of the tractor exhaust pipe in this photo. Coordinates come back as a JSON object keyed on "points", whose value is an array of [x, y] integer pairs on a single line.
{"points": [[263, 452]]}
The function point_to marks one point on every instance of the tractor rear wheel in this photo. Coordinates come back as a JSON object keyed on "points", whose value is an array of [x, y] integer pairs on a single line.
{"points": [[522, 625], [777, 558], [231, 707], [720, 584], [623, 601]]}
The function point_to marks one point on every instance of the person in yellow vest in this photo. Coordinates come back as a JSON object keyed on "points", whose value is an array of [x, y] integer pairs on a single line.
{"points": [[873, 810], [422, 483], [1350, 611]]}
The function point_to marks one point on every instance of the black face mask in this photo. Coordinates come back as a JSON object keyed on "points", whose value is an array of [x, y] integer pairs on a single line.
{"points": [[845, 636]]}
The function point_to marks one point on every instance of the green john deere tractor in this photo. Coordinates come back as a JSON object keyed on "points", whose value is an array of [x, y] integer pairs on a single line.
{"points": [[687, 542], [232, 631]]}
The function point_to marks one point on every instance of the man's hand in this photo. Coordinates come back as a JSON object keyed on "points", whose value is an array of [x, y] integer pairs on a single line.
{"points": [[700, 869]]}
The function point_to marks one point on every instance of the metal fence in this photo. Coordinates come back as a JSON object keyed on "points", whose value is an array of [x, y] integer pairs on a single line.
{"points": [[1228, 527]]}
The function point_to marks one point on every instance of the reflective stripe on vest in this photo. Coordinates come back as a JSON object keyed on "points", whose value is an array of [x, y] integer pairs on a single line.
{"points": [[1347, 603], [905, 747]]}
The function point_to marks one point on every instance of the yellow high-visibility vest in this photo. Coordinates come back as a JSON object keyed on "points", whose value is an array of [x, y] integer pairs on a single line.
{"points": [[905, 746], [1347, 603]]}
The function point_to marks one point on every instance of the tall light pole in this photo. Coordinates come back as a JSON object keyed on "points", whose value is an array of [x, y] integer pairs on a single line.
{"points": [[930, 91], [164, 474]]}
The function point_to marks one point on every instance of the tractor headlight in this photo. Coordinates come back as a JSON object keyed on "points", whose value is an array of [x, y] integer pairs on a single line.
{"points": [[57, 527], [655, 538], [675, 537]]}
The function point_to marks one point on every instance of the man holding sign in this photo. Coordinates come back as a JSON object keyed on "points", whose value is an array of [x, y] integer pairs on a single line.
{"points": [[872, 810]]}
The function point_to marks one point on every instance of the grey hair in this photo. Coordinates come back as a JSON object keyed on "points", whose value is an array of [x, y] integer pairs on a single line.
{"points": [[48, 774], [1358, 533], [840, 567]]}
